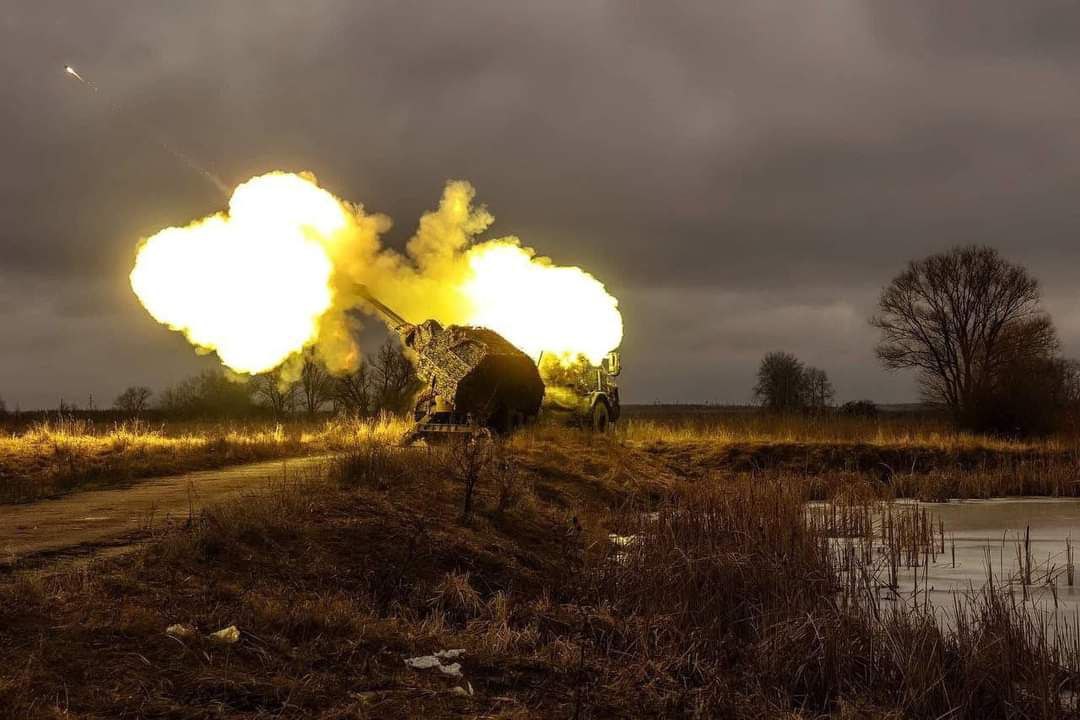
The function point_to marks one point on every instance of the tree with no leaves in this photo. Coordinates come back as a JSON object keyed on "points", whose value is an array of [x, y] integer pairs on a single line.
{"points": [[211, 393], [315, 383], [470, 461], [786, 385], [960, 318], [1030, 396], [818, 391], [278, 393], [353, 391], [134, 400], [781, 382], [393, 378]]}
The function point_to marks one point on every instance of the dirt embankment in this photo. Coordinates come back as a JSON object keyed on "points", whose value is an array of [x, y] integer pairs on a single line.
{"points": [[365, 594], [568, 475], [332, 583], [697, 458]]}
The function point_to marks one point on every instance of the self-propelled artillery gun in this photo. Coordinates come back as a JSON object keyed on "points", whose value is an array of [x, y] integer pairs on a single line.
{"points": [[474, 379], [477, 381]]}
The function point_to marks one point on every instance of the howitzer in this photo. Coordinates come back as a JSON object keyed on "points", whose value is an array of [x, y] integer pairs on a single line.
{"points": [[474, 378]]}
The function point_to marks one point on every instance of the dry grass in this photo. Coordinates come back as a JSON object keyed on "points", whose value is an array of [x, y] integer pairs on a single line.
{"points": [[52, 458], [905, 455], [895, 456], [331, 587], [722, 601], [889, 430], [726, 601]]}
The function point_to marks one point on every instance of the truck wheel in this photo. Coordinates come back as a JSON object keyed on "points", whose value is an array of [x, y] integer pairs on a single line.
{"points": [[600, 417]]}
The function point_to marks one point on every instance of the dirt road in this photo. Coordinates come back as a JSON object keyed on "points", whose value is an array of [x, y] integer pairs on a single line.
{"points": [[97, 521]]}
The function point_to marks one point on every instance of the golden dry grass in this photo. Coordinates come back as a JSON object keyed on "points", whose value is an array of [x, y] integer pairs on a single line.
{"points": [[750, 427], [724, 605], [52, 458], [894, 455], [913, 455]]}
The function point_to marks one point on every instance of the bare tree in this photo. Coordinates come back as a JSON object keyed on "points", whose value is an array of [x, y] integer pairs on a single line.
{"points": [[819, 393], [393, 378], [134, 400], [1033, 397], [315, 383], [470, 460], [353, 391], [781, 382], [276, 392], [176, 399], [211, 393], [958, 318]]}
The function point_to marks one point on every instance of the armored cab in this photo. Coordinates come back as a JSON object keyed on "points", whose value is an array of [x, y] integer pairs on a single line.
{"points": [[474, 378], [580, 392]]}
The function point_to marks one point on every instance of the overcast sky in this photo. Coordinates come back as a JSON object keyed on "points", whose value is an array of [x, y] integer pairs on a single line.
{"points": [[744, 177]]}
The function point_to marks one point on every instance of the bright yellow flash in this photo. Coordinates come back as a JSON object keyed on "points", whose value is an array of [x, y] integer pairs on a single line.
{"points": [[538, 306], [277, 273], [250, 284]]}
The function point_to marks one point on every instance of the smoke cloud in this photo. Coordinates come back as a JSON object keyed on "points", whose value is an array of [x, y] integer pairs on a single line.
{"points": [[280, 271]]}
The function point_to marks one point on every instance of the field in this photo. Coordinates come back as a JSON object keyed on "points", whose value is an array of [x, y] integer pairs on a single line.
{"points": [[53, 457], [669, 570], [901, 455], [911, 455]]}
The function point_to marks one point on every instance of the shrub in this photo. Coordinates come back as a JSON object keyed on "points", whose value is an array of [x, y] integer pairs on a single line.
{"points": [[859, 408]]}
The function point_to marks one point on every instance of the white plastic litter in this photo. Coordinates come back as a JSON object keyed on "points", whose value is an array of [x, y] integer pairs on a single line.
{"points": [[226, 636], [180, 630], [428, 662], [453, 670], [424, 662]]}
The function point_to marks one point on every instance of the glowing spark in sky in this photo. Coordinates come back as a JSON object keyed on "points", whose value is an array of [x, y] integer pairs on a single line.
{"points": [[74, 73]]}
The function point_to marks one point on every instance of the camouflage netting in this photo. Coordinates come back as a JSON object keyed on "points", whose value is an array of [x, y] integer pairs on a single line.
{"points": [[477, 370]]}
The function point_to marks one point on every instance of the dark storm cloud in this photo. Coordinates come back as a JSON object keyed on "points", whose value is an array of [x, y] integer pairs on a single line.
{"points": [[991, 28], [744, 176]]}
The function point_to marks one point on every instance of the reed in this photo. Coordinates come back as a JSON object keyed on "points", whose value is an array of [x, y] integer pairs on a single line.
{"points": [[815, 612]]}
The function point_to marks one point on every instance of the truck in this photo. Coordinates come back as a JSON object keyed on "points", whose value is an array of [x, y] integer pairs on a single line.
{"points": [[477, 382], [581, 393]]}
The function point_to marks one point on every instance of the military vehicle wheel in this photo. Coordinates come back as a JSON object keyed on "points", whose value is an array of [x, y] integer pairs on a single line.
{"points": [[600, 422]]}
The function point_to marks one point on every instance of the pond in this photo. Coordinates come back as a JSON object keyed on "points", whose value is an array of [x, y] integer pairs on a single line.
{"points": [[931, 553]]}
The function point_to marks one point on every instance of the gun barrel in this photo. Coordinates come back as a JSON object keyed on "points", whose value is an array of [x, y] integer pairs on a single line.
{"points": [[398, 321]]}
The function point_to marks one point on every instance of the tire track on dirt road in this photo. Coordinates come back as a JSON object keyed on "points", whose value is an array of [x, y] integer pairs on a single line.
{"points": [[98, 522]]}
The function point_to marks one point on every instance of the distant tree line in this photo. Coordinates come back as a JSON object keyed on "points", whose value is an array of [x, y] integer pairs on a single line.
{"points": [[386, 382]]}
